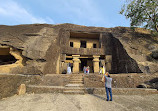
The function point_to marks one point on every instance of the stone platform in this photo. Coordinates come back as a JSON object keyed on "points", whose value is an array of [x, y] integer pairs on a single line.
{"points": [[116, 91], [123, 84]]}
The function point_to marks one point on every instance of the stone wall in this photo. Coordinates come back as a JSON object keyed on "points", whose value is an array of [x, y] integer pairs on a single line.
{"points": [[124, 80], [10, 83], [90, 42]]}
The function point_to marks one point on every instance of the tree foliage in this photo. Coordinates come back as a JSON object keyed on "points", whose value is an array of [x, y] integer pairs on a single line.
{"points": [[142, 13]]}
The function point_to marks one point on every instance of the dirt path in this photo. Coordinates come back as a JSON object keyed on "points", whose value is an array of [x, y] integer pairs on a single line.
{"points": [[60, 102]]}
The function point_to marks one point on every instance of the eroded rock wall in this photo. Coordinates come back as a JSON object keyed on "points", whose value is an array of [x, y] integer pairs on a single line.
{"points": [[31, 44], [139, 44], [42, 47]]}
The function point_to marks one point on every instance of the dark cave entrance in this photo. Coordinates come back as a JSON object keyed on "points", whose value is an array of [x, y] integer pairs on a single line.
{"points": [[6, 57], [86, 62]]}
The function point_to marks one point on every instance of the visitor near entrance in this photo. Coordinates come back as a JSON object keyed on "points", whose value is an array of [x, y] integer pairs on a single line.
{"points": [[100, 71], [108, 87], [84, 69], [106, 74], [68, 69], [103, 70], [87, 70]]}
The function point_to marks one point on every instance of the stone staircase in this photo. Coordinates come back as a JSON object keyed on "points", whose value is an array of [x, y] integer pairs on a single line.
{"points": [[75, 86]]}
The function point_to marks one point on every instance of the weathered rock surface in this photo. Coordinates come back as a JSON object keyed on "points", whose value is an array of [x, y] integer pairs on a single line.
{"points": [[40, 47]]}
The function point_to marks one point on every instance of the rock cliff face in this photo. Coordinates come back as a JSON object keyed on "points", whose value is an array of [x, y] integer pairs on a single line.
{"points": [[139, 45], [37, 48]]}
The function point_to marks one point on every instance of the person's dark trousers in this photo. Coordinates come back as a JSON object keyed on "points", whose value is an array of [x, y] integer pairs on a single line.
{"points": [[108, 90]]}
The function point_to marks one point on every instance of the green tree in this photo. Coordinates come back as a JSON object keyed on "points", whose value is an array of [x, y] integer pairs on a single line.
{"points": [[142, 13]]}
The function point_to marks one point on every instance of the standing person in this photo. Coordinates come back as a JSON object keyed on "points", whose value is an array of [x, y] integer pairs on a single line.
{"points": [[88, 69], [100, 72], [106, 74], [68, 69], [103, 70], [108, 87], [84, 69]]}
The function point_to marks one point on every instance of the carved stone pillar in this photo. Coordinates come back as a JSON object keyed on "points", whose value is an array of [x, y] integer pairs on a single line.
{"points": [[108, 62], [76, 62], [96, 64]]}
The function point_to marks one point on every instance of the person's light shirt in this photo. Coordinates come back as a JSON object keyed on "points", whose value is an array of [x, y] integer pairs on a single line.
{"points": [[108, 81]]}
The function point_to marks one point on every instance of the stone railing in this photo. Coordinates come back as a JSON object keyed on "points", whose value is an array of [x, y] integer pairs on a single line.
{"points": [[83, 51]]}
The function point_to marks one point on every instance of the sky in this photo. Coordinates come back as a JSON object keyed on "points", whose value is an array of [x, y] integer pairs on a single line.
{"points": [[99, 13]]}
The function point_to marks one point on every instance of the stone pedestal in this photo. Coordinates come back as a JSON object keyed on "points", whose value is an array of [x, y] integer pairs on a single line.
{"points": [[21, 89], [108, 59], [96, 64], [76, 62]]}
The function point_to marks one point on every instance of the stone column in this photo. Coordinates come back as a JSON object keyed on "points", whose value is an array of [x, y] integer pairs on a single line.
{"points": [[96, 64], [76, 62], [108, 59]]}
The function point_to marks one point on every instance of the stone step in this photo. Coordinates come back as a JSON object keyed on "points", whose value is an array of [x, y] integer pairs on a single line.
{"points": [[76, 77], [44, 89], [74, 89], [78, 74], [76, 82], [123, 91], [74, 85], [74, 92]]}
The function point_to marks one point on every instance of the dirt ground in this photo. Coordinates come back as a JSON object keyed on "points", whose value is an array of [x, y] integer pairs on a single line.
{"points": [[60, 102]]}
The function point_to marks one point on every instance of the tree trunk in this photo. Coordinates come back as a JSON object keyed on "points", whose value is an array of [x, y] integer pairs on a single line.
{"points": [[156, 28]]}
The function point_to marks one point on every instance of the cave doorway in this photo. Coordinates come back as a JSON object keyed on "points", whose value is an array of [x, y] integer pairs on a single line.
{"points": [[86, 62], [6, 57]]}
